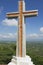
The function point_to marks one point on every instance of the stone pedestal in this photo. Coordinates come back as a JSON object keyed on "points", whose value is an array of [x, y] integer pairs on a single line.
{"points": [[21, 61]]}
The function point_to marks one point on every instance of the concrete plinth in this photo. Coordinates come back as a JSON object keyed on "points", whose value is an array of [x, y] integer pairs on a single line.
{"points": [[21, 61]]}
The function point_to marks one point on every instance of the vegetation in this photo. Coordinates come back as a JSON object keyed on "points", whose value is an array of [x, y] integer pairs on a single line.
{"points": [[34, 50], [6, 52]]}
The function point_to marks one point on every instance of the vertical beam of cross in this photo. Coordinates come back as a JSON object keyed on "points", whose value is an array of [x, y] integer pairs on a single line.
{"points": [[20, 28]]}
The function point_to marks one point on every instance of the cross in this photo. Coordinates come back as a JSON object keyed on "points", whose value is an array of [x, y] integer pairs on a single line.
{"points": [[20, 15]]}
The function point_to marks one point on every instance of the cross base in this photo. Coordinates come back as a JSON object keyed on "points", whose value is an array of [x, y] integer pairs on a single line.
{"points": [[21, 61]]}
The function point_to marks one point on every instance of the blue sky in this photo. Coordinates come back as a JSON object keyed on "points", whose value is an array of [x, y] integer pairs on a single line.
{"points": [[34, 25]]}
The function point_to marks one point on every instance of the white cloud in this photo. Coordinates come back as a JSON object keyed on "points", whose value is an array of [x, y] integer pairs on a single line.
{"points": [[34, 35], [41, 29], [14, 36], [8, 36], [41, 35], [10, 22]]}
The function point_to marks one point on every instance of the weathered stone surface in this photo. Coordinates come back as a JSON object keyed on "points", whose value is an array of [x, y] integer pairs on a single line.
{"points": [[21, 61]]}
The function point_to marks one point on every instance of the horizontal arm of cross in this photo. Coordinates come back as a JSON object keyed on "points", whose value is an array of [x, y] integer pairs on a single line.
{"points": [[26, 14], [30, 13], [12, 15]]}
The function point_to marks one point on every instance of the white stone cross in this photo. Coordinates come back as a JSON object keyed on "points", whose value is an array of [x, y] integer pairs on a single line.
{"points": [[21, 42]]}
